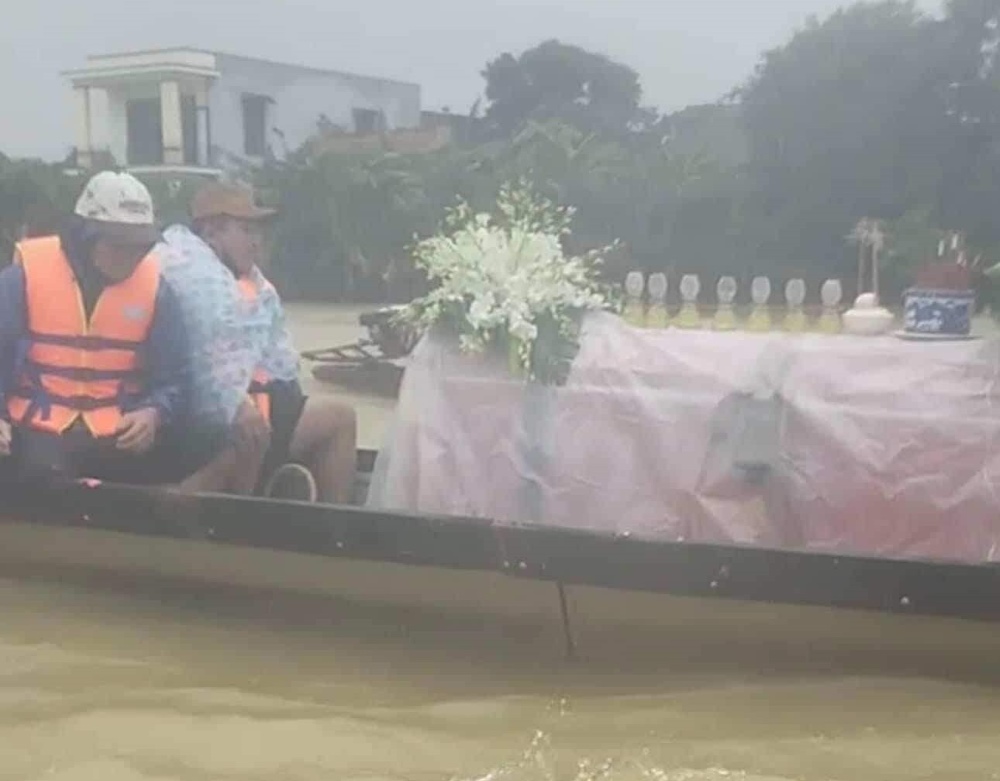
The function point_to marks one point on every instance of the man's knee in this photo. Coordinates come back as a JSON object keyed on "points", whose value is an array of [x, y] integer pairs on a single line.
{"points": [[250, 450], [324, 421], [341, 422], [342, 416], [346, 417]]}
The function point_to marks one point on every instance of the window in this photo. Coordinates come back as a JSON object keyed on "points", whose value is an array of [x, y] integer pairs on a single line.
{"points": [[145, 131], [189, 123], [255, 125], [367, 121]]}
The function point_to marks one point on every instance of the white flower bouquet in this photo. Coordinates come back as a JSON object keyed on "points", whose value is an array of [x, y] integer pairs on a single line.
{"points": [[503, 282]]}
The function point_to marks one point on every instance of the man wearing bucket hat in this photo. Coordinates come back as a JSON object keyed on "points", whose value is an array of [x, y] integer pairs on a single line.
{"points": [[245, 368], [92, 347]]}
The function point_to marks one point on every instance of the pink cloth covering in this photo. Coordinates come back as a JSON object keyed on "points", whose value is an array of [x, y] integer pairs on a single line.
{"points": [[842, 444]]}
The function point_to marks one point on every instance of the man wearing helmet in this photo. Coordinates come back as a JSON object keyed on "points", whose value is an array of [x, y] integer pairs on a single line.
{"points": [[93, 351]]}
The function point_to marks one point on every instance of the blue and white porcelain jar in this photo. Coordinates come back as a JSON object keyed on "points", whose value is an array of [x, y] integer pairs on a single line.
{"points": [[938, 312]]}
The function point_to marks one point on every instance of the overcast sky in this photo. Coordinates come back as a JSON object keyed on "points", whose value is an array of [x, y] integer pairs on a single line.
{"points": [[684, 50]]}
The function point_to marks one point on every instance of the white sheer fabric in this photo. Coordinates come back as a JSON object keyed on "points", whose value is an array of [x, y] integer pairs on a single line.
{"points": [[836, 443]]}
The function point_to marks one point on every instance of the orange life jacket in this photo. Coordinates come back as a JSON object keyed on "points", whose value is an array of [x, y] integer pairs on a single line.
{"points": [[260, 380], [74, 368]]}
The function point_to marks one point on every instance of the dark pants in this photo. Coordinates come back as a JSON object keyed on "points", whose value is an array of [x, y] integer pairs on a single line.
{"points": [[287, 403], [78, 454], [179, 451], [188, 448]]}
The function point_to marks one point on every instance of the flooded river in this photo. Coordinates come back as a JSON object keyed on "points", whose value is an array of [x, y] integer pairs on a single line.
{"points": [[196, 685]]}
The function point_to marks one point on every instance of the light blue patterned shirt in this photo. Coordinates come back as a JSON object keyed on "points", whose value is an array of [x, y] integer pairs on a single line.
{"points": [[230, 336]]}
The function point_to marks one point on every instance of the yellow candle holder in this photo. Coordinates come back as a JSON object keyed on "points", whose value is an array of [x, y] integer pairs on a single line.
{"points": [[829, 320], [689, 317], [725, 317], [760, 315], [795, 296], [634, 314], [634, 311], [796, 321], [656, 314], [759, 320]]}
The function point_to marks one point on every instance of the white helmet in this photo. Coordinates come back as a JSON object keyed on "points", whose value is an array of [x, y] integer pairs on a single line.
{"points": [[121, 208]]}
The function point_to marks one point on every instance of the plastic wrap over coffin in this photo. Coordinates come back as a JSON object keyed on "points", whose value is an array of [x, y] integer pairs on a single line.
{"points": [[858, 445]]}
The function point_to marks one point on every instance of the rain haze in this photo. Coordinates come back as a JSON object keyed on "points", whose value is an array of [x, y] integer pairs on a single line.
{"points": [[562, 442], [684, 52]]}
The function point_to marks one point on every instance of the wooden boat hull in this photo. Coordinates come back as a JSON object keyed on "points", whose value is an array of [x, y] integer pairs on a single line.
{"points": [[603, 599]]}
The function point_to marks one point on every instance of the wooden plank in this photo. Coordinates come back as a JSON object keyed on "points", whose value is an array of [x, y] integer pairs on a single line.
{"points": [[558, 555], [755, 574]]}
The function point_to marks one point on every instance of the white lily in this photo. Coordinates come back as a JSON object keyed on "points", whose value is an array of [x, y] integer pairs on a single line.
{"points": [[507, 273]]}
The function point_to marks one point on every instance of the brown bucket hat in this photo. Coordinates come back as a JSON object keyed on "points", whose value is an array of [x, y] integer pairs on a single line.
{"points": [[227, 200]]}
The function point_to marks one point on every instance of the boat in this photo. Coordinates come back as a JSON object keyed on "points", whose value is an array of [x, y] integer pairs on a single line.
{"points": [[373, 364], [584, 595]]}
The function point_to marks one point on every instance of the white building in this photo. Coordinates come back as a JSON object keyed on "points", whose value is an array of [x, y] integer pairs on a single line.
{"points": [[185, 110]]}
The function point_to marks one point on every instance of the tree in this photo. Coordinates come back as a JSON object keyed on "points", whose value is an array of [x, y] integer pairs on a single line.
{"points": [[346, 221], [34, 199], [877, 111], [630, 188], [970, 98], [841, 125], [556, 80]]}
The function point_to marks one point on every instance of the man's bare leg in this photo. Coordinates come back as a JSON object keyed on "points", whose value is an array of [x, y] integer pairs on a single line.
{"points": [[326, 441], [234, 471]]}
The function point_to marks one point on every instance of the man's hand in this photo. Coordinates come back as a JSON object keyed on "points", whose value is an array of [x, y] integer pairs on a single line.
{"points": [[137, 431], [4, 438], [250, 429]]}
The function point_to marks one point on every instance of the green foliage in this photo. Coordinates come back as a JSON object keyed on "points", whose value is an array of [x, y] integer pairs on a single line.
{"points": [[346, 222], [912, 241], [877, 111], [839, 126], [171, 195], [349, 221], [33, 198], [557, 81], [36, 197]]}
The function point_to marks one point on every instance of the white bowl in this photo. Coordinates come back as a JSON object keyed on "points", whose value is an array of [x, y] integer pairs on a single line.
{"points": [[868, 322]]}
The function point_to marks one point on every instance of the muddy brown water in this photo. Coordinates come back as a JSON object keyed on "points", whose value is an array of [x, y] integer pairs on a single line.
{"points": [[101, 684]]}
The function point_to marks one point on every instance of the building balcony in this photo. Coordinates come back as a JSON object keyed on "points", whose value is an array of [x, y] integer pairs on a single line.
{"points": [[148, 110]]}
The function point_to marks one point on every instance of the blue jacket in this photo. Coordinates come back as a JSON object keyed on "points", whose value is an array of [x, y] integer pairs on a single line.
{"points": [[165, 355]]}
